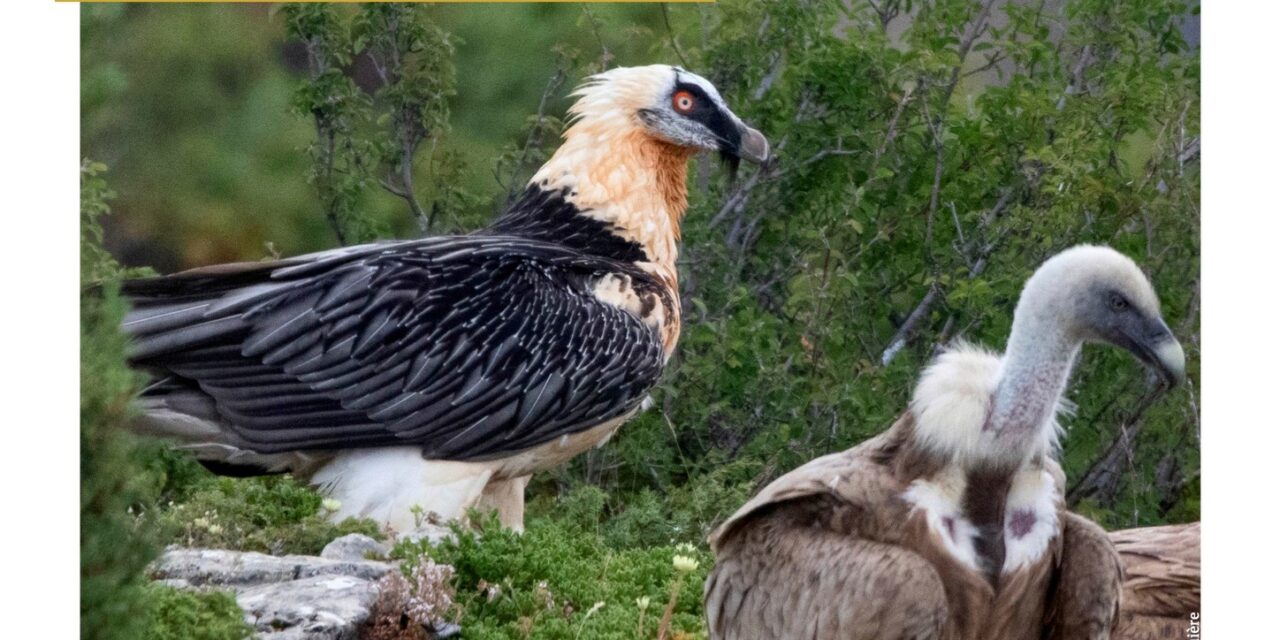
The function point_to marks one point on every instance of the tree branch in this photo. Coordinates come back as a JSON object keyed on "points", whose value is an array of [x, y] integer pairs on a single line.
{"points": [[1103, 476], [909, 326], [535, 131], [934, 294], [671, 36]]}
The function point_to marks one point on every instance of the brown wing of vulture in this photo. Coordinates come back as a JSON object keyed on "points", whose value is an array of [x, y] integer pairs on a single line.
{"points": [[812, 556], [1085, 600], [1161, 580], [787, 579]]}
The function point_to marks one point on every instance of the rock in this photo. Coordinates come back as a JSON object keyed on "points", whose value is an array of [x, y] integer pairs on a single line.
{"points": [[283, 597], [217, 567], [319, 607], [447, 630], [354, 547]]}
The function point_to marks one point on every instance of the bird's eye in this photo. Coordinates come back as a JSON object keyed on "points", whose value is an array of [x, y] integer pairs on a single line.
{"points": [[683, 102], [1118, 303]]}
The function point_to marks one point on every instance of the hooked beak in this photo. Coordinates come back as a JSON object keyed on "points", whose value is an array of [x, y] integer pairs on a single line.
{"points": [[752, 145], [1159, 349], [1172, 362]]}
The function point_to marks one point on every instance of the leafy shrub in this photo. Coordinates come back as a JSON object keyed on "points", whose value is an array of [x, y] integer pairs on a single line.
{"points": [[177, 614], [557, 581], [274, 514], [114, 544]]}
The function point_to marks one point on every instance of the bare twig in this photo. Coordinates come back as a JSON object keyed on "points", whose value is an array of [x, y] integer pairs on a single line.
{"points": [[606, 56], [936, 124], [1100, 480], [955, 218], [671, 36], [935, 191], [909, 326], [406, 178], [891, 131], [326, 138], [1189, 153], [737, 197], [885, 12], [771, 76], [973, 247], [534, 139], [1077, 76], [992, 60]]}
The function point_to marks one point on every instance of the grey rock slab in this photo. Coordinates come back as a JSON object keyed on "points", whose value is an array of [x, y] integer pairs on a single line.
{"points": [[283, 597], [217, 567], [327, 607], [354, 547]]}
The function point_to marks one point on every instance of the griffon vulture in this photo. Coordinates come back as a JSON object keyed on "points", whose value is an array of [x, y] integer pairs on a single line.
{"points": [[950, 524], [440, 373], [1161, 581]]}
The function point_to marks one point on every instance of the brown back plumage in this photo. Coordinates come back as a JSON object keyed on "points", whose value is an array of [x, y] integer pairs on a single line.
{"points": [[1161, 580]]}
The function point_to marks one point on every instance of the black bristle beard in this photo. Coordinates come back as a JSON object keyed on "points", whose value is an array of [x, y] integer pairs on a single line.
{"points": [[730, 161]]}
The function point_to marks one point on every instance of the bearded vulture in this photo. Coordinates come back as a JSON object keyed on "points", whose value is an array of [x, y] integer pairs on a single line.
{"points": [[1161, 581], [440, 373], [951, 524]]}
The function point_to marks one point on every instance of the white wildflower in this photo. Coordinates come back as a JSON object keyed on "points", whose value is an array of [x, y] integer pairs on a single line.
{"points": [[684, 564]]}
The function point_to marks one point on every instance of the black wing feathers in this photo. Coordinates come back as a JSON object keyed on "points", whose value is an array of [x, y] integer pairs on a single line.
{"points": [[468, 346]]}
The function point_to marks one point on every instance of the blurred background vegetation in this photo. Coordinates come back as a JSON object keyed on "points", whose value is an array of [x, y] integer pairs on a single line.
{"points": [[930, 155]]}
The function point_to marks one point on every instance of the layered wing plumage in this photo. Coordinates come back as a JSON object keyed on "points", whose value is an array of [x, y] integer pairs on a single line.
{"points": [[470, 347], [785, 577], [1084, 599], [819, 553]]}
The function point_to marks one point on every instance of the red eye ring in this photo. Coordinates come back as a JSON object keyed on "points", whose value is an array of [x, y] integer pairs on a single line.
{"points": [[683, 102]]}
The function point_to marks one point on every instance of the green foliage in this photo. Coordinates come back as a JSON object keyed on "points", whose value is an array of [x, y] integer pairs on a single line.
{"points": [[274, 514], [929, 155], [340, 159], [559, 580], [176, 614], [682, 513], [114, 546], [121, 479]]}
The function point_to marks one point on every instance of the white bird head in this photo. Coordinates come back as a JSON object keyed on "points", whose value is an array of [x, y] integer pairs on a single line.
{"points": [[1097, 294], [672, 105]]}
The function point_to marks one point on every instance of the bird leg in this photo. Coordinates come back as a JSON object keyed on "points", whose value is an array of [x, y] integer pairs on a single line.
{"points": [[507, 498]]}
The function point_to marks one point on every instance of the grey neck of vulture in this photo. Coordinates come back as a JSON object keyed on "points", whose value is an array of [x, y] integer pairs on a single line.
{"points": [[1037, 364]]}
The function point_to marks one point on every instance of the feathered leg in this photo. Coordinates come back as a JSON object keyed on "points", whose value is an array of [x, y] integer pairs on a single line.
{"points": [[507, 498], [389, 485]]}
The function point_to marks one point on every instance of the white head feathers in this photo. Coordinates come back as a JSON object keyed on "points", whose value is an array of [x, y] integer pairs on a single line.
{"points": [[1059, 290]]}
